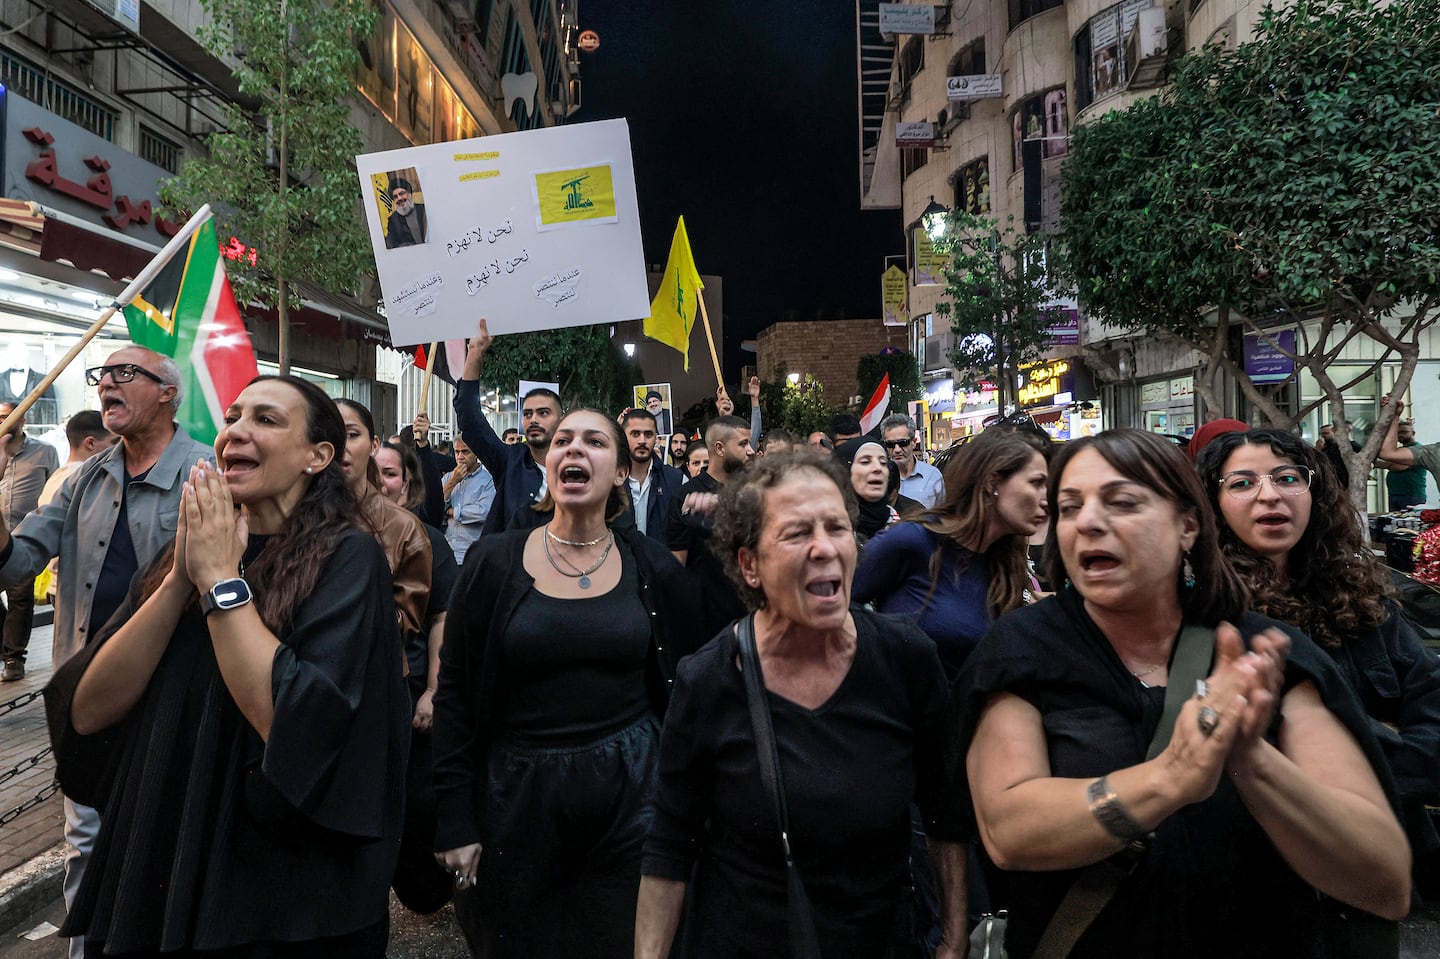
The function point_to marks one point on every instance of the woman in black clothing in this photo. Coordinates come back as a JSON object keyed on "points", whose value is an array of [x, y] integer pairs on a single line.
{"points": [[1265, 791], [869, 468], [247, 757], [554, 674], [1288, 527], [856, 700], [420, 883]]}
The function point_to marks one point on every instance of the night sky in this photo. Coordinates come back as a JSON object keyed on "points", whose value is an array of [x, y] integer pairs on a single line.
{"points": [[743, 119]]}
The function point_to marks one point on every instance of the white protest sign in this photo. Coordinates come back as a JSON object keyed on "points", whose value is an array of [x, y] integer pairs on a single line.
{"points": [[535, 230]]}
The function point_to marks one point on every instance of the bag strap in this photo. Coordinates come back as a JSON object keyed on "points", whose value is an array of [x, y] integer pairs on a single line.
{"points": [[804, 944], [765, 747], [1194, 650], [1097, 883]]}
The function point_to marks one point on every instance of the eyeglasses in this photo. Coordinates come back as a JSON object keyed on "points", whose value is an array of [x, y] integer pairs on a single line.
{"points": [[121, 373], [896, 444], [1245, 484]]}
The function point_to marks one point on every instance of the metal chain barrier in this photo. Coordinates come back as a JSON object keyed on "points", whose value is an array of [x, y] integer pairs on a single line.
{"points": [[19, 701], [24, 765], [29, 804]]}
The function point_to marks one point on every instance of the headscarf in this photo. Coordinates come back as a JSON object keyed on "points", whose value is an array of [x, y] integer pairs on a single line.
{"points": [[1207, 433], [876, 515]]}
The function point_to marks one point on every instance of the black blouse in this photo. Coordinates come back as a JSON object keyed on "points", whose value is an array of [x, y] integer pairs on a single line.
{"points": [[1211, 883], [851, 770], [211, 837]]}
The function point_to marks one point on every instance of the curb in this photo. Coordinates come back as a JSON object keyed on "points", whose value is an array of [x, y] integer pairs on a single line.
{"points": [[28, 887]]}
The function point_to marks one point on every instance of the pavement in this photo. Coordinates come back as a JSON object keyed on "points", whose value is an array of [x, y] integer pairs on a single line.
{"points": [[32, 819]]}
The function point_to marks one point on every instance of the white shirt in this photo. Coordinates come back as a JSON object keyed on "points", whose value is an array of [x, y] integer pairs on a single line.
{"points": [[640, 493], [924, 485]]}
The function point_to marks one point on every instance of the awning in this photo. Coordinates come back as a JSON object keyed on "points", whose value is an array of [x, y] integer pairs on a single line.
{"points": [[60, 238]]}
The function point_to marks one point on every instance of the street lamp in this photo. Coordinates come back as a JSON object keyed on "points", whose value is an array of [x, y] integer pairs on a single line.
{"points": [[794, 379], [933, 218]]}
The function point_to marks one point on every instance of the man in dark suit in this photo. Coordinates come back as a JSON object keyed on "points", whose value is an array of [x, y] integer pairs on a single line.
{"points": [[406, 226], [654, 403]]}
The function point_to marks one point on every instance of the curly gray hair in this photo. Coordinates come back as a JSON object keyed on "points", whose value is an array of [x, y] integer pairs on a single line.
{"points": [[740, 516]]}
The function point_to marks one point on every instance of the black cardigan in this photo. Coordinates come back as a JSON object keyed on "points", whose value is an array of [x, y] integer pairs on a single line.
{"points": [[491, 586]]}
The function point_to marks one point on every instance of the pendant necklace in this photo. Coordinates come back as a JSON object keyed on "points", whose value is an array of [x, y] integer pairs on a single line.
{"points": [[581, 576], [1141, 675], [575, 542]]}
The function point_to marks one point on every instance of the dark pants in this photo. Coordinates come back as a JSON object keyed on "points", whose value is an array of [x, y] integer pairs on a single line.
{"points": [[421, 884], [19, 619], [562, 831]]}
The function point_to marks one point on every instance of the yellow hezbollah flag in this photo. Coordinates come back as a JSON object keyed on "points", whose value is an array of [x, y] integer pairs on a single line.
{"points": [[571, 196], [672, 312]]}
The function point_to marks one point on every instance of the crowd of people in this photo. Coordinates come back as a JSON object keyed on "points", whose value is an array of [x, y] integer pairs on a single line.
{"points": [[616, 693]]}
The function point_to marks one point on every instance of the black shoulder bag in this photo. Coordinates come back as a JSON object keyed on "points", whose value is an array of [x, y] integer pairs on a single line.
{"points": [[803, 942]]}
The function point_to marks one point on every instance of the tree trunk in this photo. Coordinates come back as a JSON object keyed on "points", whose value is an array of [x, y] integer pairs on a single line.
{"points": [[282, 314]]}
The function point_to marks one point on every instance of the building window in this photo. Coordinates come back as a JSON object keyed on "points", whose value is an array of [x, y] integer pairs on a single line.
{"points": [[483, 9], [970, 61], [57, 96], [159, 150], [972, 187], [513, 58], [1022, 10], [912, 160], [912, 61], [1041, 119], [1100, 65]]}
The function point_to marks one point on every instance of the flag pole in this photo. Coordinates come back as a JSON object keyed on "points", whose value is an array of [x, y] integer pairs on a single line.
{"points": [[142, 280], [705, 318], [429, 370]]}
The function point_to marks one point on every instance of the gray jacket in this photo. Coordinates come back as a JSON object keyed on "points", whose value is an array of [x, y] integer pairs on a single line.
{"points": [[78, 523]]}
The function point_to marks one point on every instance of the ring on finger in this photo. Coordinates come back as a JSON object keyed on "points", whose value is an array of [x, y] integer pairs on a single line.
{"points": [[1202, 689], [1207, 719]]}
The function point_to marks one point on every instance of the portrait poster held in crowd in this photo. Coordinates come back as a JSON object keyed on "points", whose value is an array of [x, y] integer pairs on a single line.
{"points": [[656, 399], [537, 230]]}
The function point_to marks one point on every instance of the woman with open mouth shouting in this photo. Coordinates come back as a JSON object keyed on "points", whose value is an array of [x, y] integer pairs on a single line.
{"points": [[241, 721], [796, 742], [559, 649], [1289, 528], [1159, 770]]}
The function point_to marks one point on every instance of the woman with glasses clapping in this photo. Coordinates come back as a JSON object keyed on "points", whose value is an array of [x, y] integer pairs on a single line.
{"points": [[1287, 526]]}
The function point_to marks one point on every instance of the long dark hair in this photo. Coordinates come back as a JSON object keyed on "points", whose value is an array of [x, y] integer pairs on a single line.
{"points": [[367, 420], [962, 518], [1160, 466], [1336, 588], [414, 479], [285, 572]]}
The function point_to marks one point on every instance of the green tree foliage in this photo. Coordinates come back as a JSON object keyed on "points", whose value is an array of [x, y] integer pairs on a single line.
{"points": [[591, 368], [904, 373], [998, 298], [281, 175], [798, 407], [1293, 179]]}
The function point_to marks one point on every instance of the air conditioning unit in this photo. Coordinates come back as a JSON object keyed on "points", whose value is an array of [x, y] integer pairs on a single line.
{"points": [[1146, 48], [460, 11]]}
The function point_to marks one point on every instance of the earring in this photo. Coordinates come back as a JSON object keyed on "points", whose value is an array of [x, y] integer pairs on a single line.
{"points": [[309, 469], [1187, 572]]}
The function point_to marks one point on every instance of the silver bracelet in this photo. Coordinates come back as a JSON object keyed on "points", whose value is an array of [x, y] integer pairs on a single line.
{"points": [[1107, 809]]}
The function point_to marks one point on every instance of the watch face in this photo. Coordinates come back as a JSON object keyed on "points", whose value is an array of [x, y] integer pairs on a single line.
{"points": [[230, 593]]}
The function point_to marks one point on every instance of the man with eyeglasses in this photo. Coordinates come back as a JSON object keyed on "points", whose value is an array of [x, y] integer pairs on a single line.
{"points": [[918, 480], [112, 517]]}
